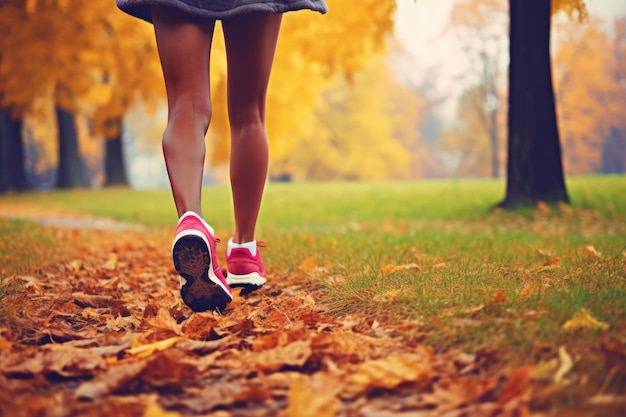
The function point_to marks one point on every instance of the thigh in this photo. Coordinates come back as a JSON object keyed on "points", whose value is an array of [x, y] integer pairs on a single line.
{"points": [[184, 45], [250, 45]]}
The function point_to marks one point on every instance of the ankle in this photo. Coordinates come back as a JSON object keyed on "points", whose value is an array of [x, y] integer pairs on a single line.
{"points": [[250, 245]]}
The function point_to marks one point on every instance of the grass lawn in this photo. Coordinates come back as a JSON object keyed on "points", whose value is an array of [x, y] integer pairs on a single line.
{"points": [[432, 254]]}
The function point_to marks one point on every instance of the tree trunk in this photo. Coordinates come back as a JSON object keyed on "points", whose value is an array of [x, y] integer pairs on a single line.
{"points": [[69, 171], [12, 167], [534, 166], [494, 143], [114, 168]]}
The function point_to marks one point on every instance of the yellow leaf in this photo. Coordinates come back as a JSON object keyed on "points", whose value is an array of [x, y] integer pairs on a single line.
{"points": [[111, 263], [153, 409], [304, 402], [583, 320], [387, 296], [149, 349], [592, 252], [76, 265]]}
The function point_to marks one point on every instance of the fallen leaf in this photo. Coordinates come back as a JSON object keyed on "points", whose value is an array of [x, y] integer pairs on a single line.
{"points": [[582, 320], [113, 379], [75, 265], [294, 354], [517, 383], [498, 297], [388, 373], [308, 265], [64, 361], [111, 263], [304, 402], [543, 208], [149, 349], [552, 261], [592, 252], [544, 371], [529, 289], [153, 409], [565, 367], [393, 269], [92, 300]]}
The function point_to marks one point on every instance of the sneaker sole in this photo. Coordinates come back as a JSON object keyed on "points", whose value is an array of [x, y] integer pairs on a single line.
{"points": [[252, 281], [200, 289]]}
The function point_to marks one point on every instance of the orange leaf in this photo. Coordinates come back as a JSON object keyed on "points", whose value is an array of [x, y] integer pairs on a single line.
{"points": [[517, 384], [498, 297], [308, 264]]}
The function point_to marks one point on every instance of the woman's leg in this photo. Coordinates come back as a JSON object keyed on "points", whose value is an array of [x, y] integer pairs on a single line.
{"points": [[250, 45], [184, 48]]}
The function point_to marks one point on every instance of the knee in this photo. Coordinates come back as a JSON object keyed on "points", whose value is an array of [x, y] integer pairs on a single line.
{"points": [[242, 117], [197, 111]]}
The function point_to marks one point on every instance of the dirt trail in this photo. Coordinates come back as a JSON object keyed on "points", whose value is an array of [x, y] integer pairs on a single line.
{"points": [[105, 333]]}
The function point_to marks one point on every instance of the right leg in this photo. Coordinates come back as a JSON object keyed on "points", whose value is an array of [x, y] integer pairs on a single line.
{"points": [[184, 48]]}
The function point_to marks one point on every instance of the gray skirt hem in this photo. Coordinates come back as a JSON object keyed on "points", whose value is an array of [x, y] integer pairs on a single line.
{"points": [[218, 10]]}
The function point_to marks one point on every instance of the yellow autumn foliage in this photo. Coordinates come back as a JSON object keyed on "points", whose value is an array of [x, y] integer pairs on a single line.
{"points": [[590, 99], [100, 63]]}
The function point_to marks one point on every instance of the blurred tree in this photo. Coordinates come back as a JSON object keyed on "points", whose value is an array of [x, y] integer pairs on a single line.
{"points": [[470, 140], [364, 131], [100, 62], [308, 57], [12, 172], [614, 150], [96, 60], [481, 28], [590, 99], [534, 165]]}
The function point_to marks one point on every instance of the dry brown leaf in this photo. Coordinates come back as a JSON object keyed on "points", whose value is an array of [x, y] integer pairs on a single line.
{"points": [[517, 384], [112, 380], [388, 373], [92, 300], [58, 360], [294, 354]]}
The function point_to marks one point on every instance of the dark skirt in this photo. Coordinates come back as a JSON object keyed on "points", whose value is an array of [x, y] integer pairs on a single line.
{"points": [[219, 9]]}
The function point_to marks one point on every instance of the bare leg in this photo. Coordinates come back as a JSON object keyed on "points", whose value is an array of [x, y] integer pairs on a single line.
{"points": [[184, 47], [250, 45]]}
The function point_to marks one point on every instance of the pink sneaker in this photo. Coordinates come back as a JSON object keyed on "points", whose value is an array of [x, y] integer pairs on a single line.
{"points": [[245, 269], [202, 284]]}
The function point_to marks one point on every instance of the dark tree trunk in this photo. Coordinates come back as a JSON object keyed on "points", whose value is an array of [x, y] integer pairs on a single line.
{"points": [[69, 174], [12, 167], [494, 143], [114, 168], [534, 166]]}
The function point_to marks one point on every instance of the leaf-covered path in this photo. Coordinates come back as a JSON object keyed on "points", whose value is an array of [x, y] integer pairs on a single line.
{"points": [[104, 332]]}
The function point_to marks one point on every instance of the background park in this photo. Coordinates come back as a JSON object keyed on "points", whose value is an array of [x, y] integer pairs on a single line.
{"points": [[445, 217]]}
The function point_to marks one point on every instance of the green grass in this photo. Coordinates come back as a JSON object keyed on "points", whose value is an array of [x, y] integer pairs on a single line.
{"points": [[466, 253]]}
